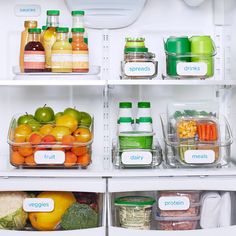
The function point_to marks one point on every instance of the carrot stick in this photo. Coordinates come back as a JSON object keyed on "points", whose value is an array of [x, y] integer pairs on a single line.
{"points": [[203, 132], [208, 128], [199, 131], [214, 132]]}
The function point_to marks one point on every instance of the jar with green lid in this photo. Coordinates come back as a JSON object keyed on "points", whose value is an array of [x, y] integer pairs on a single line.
{"points": [[125, 109], [144, 124], [144, 109], [135, 42], [125, 124], [134, 212], [62, 52]]}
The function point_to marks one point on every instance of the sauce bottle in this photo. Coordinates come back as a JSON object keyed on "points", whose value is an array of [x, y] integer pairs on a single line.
{"points": [[80, 51], [34, 54], [24, 41], [49, 37], [78, 22], [62, 52], [44, 28]]}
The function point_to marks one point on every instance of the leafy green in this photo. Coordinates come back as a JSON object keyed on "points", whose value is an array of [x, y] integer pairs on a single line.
{"points": [[79, 216]]}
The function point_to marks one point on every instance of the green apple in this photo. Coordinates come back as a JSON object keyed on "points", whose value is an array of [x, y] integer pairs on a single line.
{"points": [[58, 114], [24, 119], [44, 114], [86, 119], [34, 124], [73, 112]]}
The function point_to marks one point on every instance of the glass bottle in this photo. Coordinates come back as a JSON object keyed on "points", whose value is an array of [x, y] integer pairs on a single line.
{"points": [[44, 28], [78, 22], [24, 40], [49, 37], [80, 51], [62, 52], [34, 54]]}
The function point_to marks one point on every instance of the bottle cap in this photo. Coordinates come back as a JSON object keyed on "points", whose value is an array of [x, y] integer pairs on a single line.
{"points": [[144, 120], [44, 27], [34, 30], [77, 30], [53, 12], [128, 50], [125, 120], [77, 13], [62, 30], [30, 24], [144, 105], [125, 105]]}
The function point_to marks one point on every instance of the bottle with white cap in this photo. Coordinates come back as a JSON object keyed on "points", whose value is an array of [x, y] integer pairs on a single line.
{"points": [[125, 124], [125, 109], [144, 109], [144, 124]]}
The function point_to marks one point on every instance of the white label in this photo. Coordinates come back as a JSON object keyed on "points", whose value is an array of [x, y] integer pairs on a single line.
{"points": [[192, 68], [49, 157], [136, 158], [139, 69], [38, 205], [61, 57], [173, 203], [199, 156], [27, 10], [34, 58], [80, 58]]}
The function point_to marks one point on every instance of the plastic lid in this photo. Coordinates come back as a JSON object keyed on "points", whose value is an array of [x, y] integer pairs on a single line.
{"points": [[134, 39], [77, 30], [177, 218], [135, 201], [144, 105], [53, 12], [30, 24], [62, 30], [144, 120], [128, 50], [125, 105], [44, 27], [125, 120], [34, 30], [77, 13], [136, 134]]}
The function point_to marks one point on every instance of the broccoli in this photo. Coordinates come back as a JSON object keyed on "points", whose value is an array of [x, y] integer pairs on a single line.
{"points": [[79, 216]]}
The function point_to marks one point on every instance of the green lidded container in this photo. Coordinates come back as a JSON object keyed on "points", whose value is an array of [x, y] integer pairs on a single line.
{"points": [[135, 201], [179, 46], [135, 140], [204, 49]]}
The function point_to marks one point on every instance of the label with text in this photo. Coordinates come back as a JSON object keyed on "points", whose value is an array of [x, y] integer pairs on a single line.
{"points": [[136, 158], [49, 157], [25, 10], [174, 203], [139, 69], [192, 68], [199, 156], [38, 205]]}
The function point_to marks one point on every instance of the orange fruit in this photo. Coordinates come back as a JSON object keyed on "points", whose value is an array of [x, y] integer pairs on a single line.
{"points": [[25, 150], [29, 161], [17, 159], [79, 151], [84, 160]]}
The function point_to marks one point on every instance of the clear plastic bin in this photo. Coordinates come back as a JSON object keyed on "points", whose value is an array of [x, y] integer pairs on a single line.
{"points": [[178, 203], [177, 223], [137, 158], [45, 151]]}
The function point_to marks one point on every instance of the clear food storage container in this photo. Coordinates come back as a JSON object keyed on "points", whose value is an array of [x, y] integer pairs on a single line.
{"points": [[50, 145], [188, 58], [139, 64], [137, 158], [177, 223], [178, 203], [134, 212], [50, 210], [135, 140]]}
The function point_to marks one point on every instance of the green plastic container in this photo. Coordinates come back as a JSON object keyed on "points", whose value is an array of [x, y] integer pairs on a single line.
{"points": [[135, 140]]}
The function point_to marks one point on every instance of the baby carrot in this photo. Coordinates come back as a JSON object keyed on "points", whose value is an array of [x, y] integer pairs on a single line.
{"points": [[214, 132], [199, 128], [208, 130]]}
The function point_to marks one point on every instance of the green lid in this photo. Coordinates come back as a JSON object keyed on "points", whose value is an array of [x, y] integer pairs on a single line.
{"points": [[77, 30], [77, 13], [130, 39], [44, 27], [144, 120], [53, 13], [144, 105], [125, 120], [125, 105], [62, 30], [128, 50], [34, 30], [135, 201]]}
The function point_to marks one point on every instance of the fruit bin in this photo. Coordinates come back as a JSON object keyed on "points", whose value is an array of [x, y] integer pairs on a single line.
{"points": [[192, 152], [61, 148]]}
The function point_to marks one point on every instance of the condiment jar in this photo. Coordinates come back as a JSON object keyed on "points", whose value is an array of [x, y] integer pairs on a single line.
{"points": [[125, 109], [144, 109], [125, 124], [144, 124]]}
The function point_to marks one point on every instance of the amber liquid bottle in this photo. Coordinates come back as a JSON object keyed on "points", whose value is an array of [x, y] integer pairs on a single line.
{"points": [[34, 54]]}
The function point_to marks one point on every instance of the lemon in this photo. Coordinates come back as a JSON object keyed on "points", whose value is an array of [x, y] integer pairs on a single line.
{"points": [[67, 121], [59, 131], [47, 221], [22, 131], [46, 129]]}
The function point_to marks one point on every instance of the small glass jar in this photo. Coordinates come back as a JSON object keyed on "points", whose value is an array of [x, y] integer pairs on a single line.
{"points": [[125, 124], [144, 124]]}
